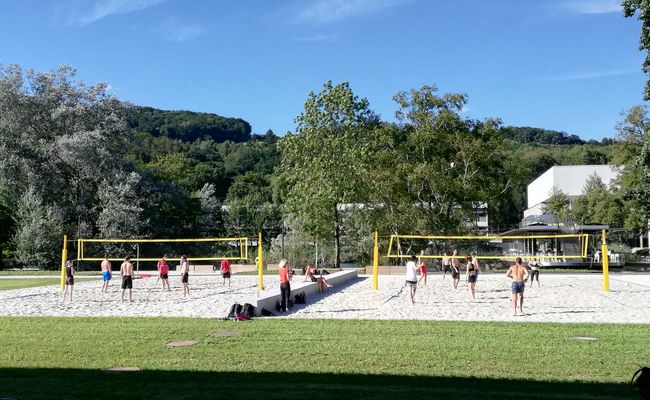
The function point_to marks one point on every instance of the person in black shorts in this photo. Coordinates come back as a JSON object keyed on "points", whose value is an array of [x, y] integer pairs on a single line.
{"points": [[534, 271], [126, 271], [472, 270], [185, 276], [69, 278], [455, 269]]}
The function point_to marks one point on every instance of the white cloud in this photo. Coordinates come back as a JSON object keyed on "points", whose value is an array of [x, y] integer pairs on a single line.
{"points": [[326, 11], [591, 75], [593, 6], [105, 8], [175, 30]]}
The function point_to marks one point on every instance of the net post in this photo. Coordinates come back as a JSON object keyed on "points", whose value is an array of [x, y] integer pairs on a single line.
{"points": [[64, 256], [375, 263], [260, 262], [605, 263]]}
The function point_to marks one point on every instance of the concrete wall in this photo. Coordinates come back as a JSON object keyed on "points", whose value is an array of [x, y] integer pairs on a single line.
{"points": [[268, 300]]}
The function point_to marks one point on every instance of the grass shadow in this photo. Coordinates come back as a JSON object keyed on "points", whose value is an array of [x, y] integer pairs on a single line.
{"points": [[41, 383]]}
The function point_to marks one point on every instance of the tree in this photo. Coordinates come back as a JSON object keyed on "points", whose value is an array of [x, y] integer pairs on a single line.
{"points": [[642, 7], [250, 207], [120, 214], [39, 232], [630, 154], [559, 206], [326, 160], [598, 204], [450, 165], [58, 140]]}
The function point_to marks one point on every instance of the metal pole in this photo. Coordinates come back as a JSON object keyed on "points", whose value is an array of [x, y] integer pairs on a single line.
{"points": [[137, 257], [375, 263], [64, 256], [316, 263], [260, 263], [605, 263]]}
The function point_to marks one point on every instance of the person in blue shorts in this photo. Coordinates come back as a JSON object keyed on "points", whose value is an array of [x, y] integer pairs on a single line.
{"points": [[519, 275], [107, 273]]}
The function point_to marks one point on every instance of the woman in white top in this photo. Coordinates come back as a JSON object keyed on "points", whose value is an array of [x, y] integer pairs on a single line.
{"points": [[412, 276], [185, 276], [534, 271]]}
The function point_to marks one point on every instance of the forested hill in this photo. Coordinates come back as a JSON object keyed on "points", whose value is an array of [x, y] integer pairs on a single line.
{"points": [[188, 126], [526, 134]]}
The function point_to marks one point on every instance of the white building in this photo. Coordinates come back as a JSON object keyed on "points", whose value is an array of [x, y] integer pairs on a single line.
{"points": [[569, 179]]}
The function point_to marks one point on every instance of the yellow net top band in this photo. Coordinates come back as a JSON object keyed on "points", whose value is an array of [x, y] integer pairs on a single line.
{"points": [[163, 240], [440, 237]]}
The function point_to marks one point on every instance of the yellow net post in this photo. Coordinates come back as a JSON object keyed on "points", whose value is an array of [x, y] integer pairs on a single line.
{"points": [[605, 263], [64, 256], [260, 263], [375, 263]]}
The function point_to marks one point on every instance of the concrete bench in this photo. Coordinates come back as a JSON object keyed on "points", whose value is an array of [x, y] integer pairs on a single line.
{"points": [[269, 299]]}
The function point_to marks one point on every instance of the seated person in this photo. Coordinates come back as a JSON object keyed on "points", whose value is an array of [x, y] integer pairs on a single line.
{"points": [[309, 276]]}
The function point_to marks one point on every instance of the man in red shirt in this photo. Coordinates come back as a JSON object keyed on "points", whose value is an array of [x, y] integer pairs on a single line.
{"points": [[225, 271]]}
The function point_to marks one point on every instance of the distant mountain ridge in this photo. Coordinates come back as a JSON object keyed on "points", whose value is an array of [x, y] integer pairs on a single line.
{"points": [[188, 126], [527, 134]]}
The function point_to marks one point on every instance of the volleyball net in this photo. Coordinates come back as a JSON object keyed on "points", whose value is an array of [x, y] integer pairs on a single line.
{"points": [[203, 249], [151, 250], [489, 247], [549, 248]]}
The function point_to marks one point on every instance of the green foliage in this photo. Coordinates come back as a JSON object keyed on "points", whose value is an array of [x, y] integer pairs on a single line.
{"points": [[326, 162], [39, 232], [641, 9], [250, 207], [598, 204], [526, 134], [442, 166], [188, 126], [558, 205]]}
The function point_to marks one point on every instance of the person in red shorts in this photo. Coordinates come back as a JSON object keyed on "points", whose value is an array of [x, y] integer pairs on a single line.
{"points": [[225, 271], [423, 269]]}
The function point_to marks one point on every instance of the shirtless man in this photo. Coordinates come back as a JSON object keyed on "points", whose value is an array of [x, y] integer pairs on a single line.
{"points": [[455, 269], [519, 274], [446, 265], [126, 271], [107, 273]]}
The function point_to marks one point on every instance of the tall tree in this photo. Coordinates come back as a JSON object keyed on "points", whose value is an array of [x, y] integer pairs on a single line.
{"points": [[641, 8], [450, 164], [326, 159]]}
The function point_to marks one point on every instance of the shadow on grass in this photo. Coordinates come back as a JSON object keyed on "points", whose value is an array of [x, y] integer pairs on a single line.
{"points": [[24, 383]]}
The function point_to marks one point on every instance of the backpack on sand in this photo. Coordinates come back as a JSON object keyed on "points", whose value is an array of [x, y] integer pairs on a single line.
{"points": [[234, 310], [299, 298], [248, 310]]}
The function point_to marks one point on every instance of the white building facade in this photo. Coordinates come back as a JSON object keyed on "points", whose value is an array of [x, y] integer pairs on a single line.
{"points": [[569, 179]]}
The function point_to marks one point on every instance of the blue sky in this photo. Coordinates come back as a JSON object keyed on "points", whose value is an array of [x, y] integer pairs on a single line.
{"points": [[569, 65]]}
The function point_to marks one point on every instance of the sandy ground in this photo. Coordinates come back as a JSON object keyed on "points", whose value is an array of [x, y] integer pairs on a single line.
{"points": [[563, 298]]}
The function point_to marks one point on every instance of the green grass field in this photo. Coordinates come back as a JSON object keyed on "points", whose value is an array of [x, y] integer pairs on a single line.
{"points": [[45, 358], [8, 284]]}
